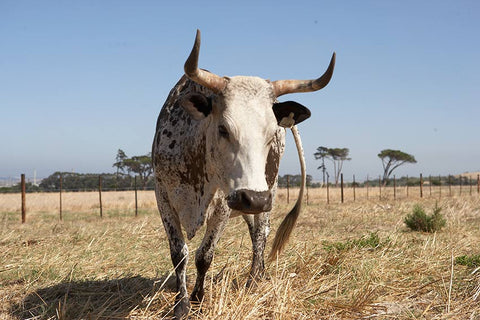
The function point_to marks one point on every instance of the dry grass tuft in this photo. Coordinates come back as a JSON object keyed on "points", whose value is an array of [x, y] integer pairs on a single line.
{"points": [[344, 261]]}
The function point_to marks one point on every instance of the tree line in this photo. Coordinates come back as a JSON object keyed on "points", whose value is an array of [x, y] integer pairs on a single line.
{"points": [[295, 181], [128, 169]]}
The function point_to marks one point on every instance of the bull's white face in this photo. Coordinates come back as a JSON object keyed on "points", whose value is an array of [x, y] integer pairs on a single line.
{"points": [[239, 125], [241, 131]]}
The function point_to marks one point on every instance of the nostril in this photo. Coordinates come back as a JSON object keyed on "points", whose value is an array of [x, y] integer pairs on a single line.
{"points": [[250, 201], [269, 197], [268, 202], [246, 199]]}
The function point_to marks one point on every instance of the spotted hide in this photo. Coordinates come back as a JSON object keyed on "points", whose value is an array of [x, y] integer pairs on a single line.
{"points": [[216, 153]]}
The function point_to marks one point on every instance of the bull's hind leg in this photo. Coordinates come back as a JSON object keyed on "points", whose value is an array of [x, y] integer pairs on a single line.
{"points": [[204, 255], [178, 253], [259, 227]]}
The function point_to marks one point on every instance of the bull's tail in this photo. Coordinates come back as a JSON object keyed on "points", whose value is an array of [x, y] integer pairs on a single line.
{"points": [[285, 229]]}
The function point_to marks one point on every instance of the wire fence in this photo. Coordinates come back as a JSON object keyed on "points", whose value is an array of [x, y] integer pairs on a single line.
{"points": [[132, 200]]}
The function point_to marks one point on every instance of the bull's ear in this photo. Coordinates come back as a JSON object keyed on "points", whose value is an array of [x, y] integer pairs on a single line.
{"points": [[197, 106], [282, 111]]}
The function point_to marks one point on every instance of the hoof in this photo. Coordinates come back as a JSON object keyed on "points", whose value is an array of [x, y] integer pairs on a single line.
{"points": [[254, 277], [250, 282], [197, 296], [182, 308]]}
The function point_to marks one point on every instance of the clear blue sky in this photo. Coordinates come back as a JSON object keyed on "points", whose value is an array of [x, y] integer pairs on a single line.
{"points": [[79, 80]]}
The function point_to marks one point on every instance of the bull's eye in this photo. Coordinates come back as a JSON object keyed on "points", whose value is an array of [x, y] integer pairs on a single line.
{"points": [[223, 132]]}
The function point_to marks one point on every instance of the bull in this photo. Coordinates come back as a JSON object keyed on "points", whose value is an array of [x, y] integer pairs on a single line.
{"points": [[216, 154]]}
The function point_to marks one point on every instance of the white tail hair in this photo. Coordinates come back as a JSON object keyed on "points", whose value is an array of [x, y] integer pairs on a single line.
{"points": [[288, 223]]}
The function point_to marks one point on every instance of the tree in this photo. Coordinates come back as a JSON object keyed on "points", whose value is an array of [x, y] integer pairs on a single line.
{"points": [[120, 158], [141, 165], [120, 162], [321, 153], [392, 159], [336, 155]]}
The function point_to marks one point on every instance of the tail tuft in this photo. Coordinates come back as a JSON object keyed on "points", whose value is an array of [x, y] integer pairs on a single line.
{"points": [[285, 229]]}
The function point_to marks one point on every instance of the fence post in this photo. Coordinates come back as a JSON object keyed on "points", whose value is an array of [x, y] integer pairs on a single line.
{"points": [[136, 199], [380, 187], [449, 185], [421, 186], [478, 183], [430, 184], [341, 186], [61, 186], [440, 187], [394, 187], [367, 186], [288, 189], [100, 195], [354, 197], [24, 209], [407, 186], [328, 193], [461, 183], [306, 200]]}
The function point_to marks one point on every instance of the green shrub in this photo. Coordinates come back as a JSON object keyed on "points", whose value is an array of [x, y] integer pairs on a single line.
{"points": [[471, 261], [372, 241], [418, 220]]}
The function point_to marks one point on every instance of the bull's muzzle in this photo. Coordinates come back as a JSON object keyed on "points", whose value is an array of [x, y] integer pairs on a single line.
{"points": [[249, 201]]}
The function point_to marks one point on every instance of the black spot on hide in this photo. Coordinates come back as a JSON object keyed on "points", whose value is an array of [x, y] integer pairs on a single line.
{"points": [[172, 144], [167, 133]]}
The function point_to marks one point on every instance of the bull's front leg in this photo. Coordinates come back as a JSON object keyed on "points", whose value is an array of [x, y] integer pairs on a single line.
{"points": [[178, 254], [259, 227], [204, 255]]}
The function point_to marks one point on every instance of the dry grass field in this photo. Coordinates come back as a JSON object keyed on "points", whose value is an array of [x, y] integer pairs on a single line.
{"points": [[355, 260]]}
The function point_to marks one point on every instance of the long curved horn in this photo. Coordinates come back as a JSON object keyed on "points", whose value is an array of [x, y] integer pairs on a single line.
{"points": [[281, 87], [205, 78]]}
